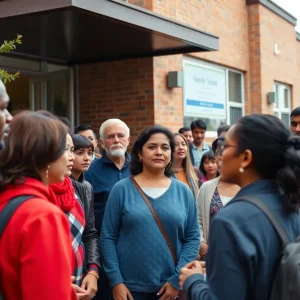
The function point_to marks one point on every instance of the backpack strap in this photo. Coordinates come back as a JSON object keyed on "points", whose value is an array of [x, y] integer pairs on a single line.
{"points": [[9, 210], [270, 215]]}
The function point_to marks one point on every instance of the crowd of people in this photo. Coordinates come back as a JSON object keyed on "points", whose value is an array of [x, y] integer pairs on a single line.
{"points": [[86, 219]]}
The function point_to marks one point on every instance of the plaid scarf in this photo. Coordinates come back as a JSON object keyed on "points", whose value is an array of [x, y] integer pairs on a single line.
{"points": [[68, 201], [77, 224]]}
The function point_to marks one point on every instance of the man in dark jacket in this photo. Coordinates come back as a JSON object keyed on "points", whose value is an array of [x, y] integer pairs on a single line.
{"points": [[104, 173]]}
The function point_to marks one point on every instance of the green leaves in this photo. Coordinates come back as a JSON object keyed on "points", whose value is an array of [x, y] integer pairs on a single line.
{"points": [[8, 77], [6, 47]]}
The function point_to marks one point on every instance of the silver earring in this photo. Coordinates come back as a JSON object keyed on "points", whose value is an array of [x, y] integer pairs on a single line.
{"points": [[47, 171], [241, 170]]}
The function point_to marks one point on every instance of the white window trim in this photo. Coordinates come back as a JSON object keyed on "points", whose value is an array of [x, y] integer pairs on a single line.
{"points": [[280, 109], [234, 104], [213, 134]]}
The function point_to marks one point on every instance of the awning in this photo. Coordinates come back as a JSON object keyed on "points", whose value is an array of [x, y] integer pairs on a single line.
{"points": [[84, 31]]}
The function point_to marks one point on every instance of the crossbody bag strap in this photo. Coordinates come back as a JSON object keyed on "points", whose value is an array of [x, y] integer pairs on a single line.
{"points": [[156, 218]]}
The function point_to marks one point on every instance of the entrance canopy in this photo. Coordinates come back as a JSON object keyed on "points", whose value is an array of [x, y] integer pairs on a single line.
{"points": [[86, 31]]}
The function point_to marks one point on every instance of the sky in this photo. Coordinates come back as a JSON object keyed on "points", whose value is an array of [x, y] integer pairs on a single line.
{"points": [[291, 6]]}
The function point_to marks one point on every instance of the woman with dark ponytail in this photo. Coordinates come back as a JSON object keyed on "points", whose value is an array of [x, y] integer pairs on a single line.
{"points": [[262, 157]]}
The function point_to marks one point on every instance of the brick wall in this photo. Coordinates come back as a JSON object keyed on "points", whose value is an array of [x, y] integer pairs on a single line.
{"points": [[168, 103], [247, 36], [136, 90], [284, 67], [226, 19], [254, 74], [120, 89]]}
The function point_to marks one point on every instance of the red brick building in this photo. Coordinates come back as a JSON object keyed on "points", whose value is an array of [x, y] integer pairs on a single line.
{"points": [[231, 58]]}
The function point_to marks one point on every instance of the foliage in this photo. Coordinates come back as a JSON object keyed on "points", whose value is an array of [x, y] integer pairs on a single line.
{"points": [[7, 47]]}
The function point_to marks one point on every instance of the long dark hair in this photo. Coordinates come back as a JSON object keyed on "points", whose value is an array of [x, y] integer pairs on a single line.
{"points": [[34, 141], [188, 167], [209, 155], [136, 165], [275, 153]]}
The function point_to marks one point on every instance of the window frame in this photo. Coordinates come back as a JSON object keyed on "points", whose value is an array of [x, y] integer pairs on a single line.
{"points": [[281, 109], [234, 104]]}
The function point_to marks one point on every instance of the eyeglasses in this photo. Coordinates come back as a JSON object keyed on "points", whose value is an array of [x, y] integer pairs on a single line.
{"points": [[223, 147]]}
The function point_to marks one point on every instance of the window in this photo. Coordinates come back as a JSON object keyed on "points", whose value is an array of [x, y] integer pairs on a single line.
{"points": [[213, 94], [235, 96], [282, 104]]}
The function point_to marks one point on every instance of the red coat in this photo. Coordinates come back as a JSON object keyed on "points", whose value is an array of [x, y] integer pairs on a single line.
{"points": [[35, 248]]}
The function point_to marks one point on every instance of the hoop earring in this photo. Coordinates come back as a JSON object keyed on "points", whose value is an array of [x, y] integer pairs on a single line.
{"points": [[241, 170]]}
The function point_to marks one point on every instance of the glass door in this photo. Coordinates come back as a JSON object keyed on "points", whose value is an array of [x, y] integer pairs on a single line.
{"points": [[52, 92]]}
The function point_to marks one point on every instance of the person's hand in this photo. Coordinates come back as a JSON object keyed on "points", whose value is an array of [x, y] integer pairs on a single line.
{"points": [[168, 292], [78, 290], [195, 267], [121, 292], [203, 249], [89, 284], [80, 293]]}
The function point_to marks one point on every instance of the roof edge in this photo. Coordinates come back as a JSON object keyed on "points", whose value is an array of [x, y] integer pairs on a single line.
{"points": [[276, 9], [134, 15]]}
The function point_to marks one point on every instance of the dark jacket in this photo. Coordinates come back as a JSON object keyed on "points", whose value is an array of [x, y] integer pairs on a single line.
{"points": [[90, 238], [244, 249]]}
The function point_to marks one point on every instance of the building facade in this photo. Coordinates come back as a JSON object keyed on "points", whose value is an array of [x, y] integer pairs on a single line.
{"points": [[216, 60]]}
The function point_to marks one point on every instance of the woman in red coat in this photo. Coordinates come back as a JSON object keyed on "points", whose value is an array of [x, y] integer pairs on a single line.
{"points": [[35, 248]]}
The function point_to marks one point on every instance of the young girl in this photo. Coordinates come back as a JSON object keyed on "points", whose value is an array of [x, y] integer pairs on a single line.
{"points": [[83, 153], [208, 166]]}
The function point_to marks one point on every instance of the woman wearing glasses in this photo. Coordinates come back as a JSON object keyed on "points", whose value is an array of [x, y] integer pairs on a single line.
{"points": [[261, 156], [212, 197]]}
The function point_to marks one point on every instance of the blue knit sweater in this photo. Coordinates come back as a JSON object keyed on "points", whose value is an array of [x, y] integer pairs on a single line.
{"points": [[132, 247]]}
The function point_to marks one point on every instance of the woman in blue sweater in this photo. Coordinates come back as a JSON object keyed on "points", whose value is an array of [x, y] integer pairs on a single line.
{"points": [[136, 257], [262, 157]]}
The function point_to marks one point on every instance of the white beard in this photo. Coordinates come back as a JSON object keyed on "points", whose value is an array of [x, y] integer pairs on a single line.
{"points": [[117, 152]]}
